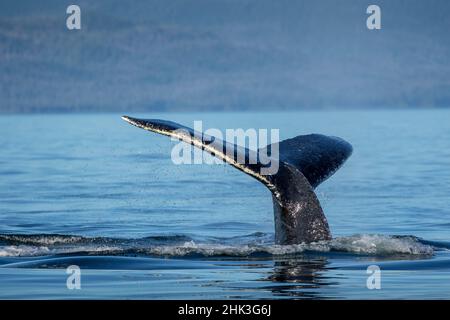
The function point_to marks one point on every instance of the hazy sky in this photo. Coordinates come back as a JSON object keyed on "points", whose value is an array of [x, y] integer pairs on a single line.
{"points": [[223, 55]]}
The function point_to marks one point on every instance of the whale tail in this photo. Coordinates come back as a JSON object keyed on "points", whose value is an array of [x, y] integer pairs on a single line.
{"points": [[303, 163]]}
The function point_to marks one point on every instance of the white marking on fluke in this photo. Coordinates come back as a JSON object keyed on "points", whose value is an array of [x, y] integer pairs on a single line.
{"points": [[305, 162]]}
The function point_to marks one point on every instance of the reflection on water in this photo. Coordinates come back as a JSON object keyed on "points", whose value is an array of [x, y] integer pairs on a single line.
{"points": [[172, 232], [297, 278]]}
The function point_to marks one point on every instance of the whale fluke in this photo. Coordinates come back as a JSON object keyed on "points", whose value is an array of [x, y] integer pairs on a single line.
{"points": [[315, 155], [304, 162]]}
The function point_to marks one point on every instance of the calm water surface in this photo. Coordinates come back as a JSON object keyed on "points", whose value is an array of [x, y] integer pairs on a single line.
{"points": [[92, 191]]}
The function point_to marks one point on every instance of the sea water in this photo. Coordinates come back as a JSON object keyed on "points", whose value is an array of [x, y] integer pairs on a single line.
{"points": [[89, 190]]}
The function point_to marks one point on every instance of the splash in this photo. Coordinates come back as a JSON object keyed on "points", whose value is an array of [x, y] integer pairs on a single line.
{"points": [[181, 245]]}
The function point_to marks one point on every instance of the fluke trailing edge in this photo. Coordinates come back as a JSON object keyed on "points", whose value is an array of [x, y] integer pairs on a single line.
{"points": [[304, 162]]}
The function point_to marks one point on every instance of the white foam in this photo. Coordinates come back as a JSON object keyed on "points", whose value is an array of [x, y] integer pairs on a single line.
{"points": [[357, 244], [23, 251], [35, 251], [381, 244]]}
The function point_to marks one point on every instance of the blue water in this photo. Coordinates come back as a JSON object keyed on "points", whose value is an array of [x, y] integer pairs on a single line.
{"points": [[93, 191]]}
